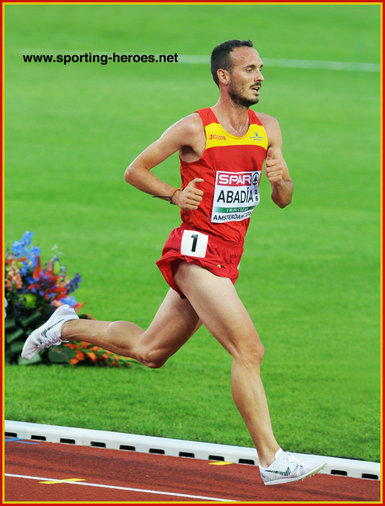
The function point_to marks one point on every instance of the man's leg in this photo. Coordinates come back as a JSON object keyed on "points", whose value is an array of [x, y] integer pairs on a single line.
{"points": [[216, 302], [174, 323]]}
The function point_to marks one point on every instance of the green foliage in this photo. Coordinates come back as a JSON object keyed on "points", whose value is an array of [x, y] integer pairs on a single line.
{"points": [[18, 328], [31, 295]]}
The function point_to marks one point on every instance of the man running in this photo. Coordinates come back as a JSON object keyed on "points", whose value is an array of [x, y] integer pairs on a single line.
{"points": [[222, 150]]}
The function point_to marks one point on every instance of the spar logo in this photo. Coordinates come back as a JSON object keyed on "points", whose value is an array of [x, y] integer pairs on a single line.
{"points": [[238, 178]]}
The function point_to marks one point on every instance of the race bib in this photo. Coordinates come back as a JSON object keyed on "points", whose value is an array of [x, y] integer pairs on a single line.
{"points": [[236, 195], [194, 244]]}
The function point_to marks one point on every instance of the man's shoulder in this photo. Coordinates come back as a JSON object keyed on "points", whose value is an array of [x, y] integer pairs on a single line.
{"points": [[266, 119], [271, 125], [187, 128], [192, 123]]}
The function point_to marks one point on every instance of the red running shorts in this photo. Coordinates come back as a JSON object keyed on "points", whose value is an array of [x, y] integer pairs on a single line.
{"points": [[220, 257]]}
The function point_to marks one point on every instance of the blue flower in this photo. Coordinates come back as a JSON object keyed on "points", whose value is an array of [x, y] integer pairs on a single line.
{"points": [[17, 249], [34, 255], [27, 238], [74, 283], [21, 249], [71, 301], [25, 267]]}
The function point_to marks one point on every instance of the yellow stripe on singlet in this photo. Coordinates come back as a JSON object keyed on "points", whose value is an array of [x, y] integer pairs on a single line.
{"points": [[216, 136]]}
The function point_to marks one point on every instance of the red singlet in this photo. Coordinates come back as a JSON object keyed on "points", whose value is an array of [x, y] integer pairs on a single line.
{"points": [[231, 168], [213, 235]]}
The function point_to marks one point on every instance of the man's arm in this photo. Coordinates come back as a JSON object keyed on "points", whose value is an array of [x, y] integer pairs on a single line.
{"points": [[184, 133], [276, 169]]}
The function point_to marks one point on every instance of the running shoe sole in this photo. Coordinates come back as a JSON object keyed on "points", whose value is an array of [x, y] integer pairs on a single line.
{"points": [[297, 478]]}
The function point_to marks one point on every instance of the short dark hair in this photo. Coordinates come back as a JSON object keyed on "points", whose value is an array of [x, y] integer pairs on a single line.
{"points": [[220, 57]]}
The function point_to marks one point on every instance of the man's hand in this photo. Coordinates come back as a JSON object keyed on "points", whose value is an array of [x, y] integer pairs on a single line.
{"points": [[190, 198], [277, 173], [274, 168]]}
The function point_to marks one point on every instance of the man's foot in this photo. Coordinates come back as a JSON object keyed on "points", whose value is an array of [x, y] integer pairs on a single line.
{"points": [[49, 333], [287, 468]]}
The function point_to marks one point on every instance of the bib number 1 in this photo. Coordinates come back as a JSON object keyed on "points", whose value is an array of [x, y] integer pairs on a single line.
{"points": [[194, 244]]}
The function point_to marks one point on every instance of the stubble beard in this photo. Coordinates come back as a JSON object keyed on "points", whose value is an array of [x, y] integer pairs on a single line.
{"points": [[241, 101]]}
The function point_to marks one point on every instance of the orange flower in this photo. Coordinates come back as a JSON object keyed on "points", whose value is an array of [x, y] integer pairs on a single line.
{"points": [[38, 269], [92, 356], [80, 355]]}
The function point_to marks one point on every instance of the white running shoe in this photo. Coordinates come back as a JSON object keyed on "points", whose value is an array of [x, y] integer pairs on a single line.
{"points": [[287, 468], [49, 333]]}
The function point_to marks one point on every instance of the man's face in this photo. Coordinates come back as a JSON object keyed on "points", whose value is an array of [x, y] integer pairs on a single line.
{"points": [[246, 77]]}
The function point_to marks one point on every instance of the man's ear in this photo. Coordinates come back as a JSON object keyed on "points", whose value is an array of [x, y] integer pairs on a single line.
{"points": [[223, 76]]}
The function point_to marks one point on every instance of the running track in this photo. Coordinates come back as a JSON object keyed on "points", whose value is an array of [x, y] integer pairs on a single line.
{"points": [[41, 471]]}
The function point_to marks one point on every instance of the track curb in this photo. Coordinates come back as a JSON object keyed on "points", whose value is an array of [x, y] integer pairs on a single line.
{"points": [[174, 447]]}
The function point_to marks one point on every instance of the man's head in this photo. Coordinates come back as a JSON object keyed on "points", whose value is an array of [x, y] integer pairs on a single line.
{"points": [[236, 69]]}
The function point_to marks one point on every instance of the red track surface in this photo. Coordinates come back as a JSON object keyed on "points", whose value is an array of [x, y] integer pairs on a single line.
{"points": [[110, 475]]}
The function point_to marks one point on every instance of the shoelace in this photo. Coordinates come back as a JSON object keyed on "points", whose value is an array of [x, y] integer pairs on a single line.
{"points": [[47, 344], [52, 341], [292, 461]]}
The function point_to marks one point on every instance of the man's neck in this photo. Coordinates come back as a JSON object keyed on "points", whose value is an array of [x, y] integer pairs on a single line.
{"points": [[233, 117]]}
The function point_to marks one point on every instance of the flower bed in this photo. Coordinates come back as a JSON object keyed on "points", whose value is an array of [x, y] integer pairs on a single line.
{"points": [[32, 293]]}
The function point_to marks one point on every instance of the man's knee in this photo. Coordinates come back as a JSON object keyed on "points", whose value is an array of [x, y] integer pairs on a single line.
{"points": [[250, 354], [152, 358], [255, 356]]}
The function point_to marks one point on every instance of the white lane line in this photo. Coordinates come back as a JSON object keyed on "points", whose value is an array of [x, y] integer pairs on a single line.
{"points": [[115, 487], [323, 65], [296, 64], [196, 59]]}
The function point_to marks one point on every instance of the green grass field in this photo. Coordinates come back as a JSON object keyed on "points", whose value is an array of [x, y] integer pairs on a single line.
{"points": [[310, 275]]}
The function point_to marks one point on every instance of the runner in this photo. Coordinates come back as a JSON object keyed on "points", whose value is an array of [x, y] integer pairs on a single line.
{"points": [[222, 150]]}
